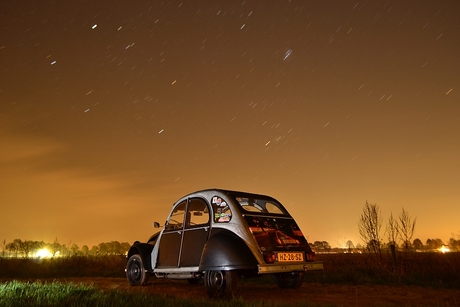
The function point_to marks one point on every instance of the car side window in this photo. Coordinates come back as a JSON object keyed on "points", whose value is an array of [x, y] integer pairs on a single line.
{"points": [[198, 212], [273, 208], [222, 212], [176, 219]]}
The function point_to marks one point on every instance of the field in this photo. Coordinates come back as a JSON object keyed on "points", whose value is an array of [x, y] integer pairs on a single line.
{"points": [[418, 279]]}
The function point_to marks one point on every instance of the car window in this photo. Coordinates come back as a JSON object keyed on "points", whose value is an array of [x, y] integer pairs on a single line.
{"points": [[176, 219], [222, 212], [260, 205], [273, 208], [198, 212]]}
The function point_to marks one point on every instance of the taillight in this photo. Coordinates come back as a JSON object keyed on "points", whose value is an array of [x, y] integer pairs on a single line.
{"points": [[311, 256], [269, 257]]}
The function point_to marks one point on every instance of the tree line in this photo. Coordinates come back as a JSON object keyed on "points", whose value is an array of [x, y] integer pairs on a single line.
{"points": [[397, 236], [416, 245], [27, 248], [398, 233]]}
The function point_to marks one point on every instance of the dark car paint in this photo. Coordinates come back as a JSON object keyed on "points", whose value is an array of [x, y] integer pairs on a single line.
{"points": [[226, 251]]}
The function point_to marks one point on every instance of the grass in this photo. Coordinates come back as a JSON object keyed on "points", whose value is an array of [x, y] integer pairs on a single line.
{"points": [[59, 267], [37, 294], [422, 269]]}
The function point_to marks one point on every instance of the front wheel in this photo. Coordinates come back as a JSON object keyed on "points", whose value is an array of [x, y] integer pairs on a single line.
{"points": [[221, 284], [291, 280], [135, 272]]}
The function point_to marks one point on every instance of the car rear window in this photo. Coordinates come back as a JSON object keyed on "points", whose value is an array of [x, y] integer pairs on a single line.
{"points": [[260, 205]]}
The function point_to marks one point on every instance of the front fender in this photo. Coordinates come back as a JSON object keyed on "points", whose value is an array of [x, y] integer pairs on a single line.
{"points": [[144, 250], [226, 251]]}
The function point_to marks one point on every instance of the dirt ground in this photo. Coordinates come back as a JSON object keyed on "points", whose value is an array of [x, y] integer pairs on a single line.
{"points": [[340, 295]]}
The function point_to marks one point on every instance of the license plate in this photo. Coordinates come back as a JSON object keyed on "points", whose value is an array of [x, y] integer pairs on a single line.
{"points": [[284, 257]]}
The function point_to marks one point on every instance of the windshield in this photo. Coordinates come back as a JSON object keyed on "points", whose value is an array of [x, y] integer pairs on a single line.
{"points": [[261, 205]]}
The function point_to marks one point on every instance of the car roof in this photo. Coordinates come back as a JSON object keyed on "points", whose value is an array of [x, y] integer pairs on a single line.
{"points": [[231, 192]]}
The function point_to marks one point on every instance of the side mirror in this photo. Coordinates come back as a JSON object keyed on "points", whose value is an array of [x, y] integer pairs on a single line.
{"points": [[156, 225]]}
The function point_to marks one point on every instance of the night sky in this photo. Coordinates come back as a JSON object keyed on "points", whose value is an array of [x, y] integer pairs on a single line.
{"points": [[112, 110]]}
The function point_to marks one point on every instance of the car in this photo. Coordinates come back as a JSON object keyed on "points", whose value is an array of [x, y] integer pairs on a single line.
{"points": [[217, 236]]}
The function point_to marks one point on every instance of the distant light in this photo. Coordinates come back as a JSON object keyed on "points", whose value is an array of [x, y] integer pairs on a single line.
{"points": [[94, 26], [444, 249], [43, 253]]}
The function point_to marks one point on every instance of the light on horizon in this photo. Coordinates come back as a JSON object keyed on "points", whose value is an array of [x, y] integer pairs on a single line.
{"points": [[43, 253]]}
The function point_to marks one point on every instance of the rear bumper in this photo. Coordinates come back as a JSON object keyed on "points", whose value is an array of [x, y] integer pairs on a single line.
{"points": [[290, 267]]}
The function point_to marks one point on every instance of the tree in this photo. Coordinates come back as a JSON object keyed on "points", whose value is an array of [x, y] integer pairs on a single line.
{"points": [[85, 250], [94, 250], [350, 246], [64, 251], [406, 228], [36, 246], [125, 246], [116, 248], [392, 232], [74, 249], [103, 248], [434, 244], [369, 226], [320, 245], [13, 247], [454, 245], [55, 247], [3, 247], [25, 248], [417, 244]]}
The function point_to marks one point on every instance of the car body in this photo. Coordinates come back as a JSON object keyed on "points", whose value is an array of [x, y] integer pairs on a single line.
{"points": [[217, 236]]}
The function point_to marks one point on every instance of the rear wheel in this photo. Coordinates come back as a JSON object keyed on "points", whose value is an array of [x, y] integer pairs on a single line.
{"points": [[221, 284], [291, 280], [135, 272]]}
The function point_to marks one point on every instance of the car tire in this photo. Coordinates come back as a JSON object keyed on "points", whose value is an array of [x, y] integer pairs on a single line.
{"points": [[221, 284], [291, 280], [135, 272]]}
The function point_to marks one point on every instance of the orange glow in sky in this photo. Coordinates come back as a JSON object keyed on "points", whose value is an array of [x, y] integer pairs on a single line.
{"points": [[111, 111]]}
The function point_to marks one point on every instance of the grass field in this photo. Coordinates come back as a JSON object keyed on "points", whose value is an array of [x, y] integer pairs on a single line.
{"points": [[37, 294], [76, 266], [422, 269], [433, 270]]}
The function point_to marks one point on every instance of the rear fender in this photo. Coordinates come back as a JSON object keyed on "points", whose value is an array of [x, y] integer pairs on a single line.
{"points": [[225, 251], [144, 250]]}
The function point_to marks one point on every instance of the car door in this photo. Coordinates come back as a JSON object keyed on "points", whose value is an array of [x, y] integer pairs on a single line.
{"points": [[195, 233], [171, 238]]}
